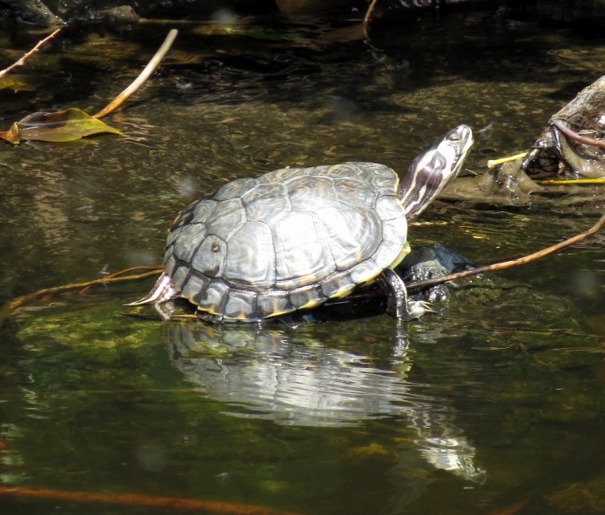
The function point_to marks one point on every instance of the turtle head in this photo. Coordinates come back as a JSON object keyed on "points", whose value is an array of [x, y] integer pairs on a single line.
{"points": [[434, 169]]}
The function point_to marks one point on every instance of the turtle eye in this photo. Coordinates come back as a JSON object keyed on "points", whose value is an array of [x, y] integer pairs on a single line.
{"points": [[454, 137]]}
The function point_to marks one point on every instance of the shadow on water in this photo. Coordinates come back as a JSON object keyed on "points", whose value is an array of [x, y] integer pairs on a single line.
{"points": [[492, 403]]}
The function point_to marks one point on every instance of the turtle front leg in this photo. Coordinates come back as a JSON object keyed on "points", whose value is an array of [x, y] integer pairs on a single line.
{"points": [[398, 304]]}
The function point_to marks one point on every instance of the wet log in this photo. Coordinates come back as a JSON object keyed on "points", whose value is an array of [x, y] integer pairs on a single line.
{"points": [[573, 143]]}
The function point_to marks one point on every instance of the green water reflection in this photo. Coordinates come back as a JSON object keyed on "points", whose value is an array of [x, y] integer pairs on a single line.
{"points": [[494, 401]]}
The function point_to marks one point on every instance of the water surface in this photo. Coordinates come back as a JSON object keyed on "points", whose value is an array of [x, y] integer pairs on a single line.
{"points": [[492, 403]]}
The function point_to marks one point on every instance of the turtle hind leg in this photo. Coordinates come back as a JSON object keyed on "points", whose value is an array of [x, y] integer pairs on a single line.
{"points": [[398, 304]]}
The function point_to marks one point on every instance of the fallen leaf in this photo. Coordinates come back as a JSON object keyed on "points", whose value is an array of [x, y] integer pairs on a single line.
{"points": [[58, 127], [11, 135]]}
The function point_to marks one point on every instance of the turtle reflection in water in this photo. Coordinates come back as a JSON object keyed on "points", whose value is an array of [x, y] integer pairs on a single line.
{"points": [[296, 237]]}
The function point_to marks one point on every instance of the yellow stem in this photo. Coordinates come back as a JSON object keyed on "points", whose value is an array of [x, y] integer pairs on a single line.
{"points": [[495, 162]]}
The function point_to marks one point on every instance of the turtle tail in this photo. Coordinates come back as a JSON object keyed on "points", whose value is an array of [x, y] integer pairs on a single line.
{"points": [[162, 291]]}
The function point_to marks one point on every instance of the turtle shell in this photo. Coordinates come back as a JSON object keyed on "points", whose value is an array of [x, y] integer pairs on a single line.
{"points": [[287, 240]]}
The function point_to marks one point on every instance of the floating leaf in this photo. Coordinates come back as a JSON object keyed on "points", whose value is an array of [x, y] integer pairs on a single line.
{"points": [[11, 135], [74, 124], [59, 127]]}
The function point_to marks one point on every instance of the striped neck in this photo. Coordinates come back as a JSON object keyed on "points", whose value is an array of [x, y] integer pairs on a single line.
{"points": [[434, 169]]}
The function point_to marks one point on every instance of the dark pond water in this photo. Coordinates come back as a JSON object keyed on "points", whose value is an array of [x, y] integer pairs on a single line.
{"points": [[493, 404]]}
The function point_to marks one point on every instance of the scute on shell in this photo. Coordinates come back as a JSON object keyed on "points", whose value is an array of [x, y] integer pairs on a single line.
{"points": [[246, 266]]}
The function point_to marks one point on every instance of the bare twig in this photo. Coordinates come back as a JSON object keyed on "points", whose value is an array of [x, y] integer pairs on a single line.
{"points": [[21, 61], [513, 262], [10, 307], [143, 76]]}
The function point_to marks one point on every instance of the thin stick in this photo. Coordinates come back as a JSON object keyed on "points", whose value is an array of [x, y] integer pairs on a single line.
{"points": [[143, 76], [21, 61], [513, 262], [9, 308], [154, 269], [575, 136]]}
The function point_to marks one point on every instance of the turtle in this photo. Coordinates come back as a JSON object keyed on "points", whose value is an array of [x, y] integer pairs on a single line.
{"points": [[293, 238]]}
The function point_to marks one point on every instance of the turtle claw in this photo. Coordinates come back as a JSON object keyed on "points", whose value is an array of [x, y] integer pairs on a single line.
{"points": [[417, 308]]}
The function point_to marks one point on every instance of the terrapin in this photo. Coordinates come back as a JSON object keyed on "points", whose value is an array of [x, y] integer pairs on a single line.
{"points": [[295, 237]]}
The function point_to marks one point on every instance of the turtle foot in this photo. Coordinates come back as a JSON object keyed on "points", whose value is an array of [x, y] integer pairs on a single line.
{"points": [[416, 308], [398, 303]]}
